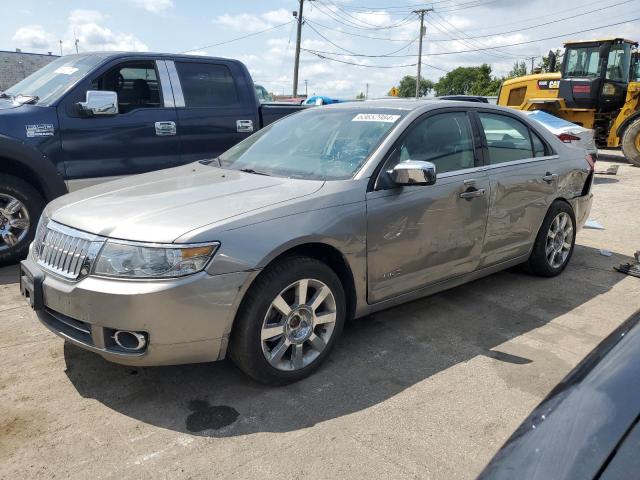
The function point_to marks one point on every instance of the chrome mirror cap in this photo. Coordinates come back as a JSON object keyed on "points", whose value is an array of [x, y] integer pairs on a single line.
{"points": [[99, 102], [413, 172]]}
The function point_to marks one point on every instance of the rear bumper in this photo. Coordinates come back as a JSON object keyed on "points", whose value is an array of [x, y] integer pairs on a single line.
{"points": [[185, 320], [582, 208]]}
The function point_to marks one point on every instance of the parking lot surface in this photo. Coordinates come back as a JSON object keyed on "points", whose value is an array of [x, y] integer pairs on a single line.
{"points": [[430, 389]]}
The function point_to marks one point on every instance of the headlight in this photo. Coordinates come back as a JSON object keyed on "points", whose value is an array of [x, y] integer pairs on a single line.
{"points": [[131, 260], [609, 89]]}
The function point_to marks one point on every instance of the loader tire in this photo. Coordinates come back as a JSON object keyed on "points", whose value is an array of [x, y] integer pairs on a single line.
{"points": [[631, 143]]}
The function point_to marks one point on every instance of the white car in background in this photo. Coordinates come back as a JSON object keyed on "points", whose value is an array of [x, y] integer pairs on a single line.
{"points": [[570, 133]]}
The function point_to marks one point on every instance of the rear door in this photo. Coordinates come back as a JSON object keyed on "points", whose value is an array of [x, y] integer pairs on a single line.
{"points": [[218, 107], [523, 176], [140, 138], [420, 235]]}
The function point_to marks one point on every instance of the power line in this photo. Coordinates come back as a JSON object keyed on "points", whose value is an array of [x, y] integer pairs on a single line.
{"points": [[528, 42], [239, 38]]}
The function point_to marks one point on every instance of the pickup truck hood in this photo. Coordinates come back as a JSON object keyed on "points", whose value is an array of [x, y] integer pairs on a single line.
{"points": [[164, 205]]}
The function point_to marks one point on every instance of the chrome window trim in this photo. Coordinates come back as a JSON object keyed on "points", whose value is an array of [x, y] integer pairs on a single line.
{"points": [[165, 84], [178, 96]]}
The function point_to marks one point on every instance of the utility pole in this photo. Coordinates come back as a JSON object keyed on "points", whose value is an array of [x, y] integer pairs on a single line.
{"points": [[366, 95], [306, 93], [532, 59], [296, 63], [60, 47], [420, 12], [76, 42]]}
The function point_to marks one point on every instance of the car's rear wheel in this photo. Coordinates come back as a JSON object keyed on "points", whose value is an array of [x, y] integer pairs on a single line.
{"points": [[20, 209], [288, 321], [631, 143], [554, 244]]}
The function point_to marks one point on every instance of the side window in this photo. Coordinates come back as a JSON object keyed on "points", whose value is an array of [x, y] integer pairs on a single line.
{"points": [[539, 149], [444, 139], [508, 139], [136, 84], [207, 85]]}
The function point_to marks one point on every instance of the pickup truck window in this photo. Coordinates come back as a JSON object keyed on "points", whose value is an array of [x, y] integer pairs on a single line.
{"points": [[52, 81], [136, 84], [207, 85]]}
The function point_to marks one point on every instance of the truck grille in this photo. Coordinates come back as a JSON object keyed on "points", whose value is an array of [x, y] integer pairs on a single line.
{"points": [[65, 251]]}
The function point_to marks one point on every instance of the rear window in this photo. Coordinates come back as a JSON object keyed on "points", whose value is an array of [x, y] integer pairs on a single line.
{"points": [[207, 85]]}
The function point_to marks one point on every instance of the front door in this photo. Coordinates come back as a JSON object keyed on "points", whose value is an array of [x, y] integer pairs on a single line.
{"points": [[421, 235], [140, 138]]}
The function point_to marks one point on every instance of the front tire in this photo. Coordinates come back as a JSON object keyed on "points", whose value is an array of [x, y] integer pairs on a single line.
{"points": [[554, 244], [20, 209], [289, 321], [631, 143]]}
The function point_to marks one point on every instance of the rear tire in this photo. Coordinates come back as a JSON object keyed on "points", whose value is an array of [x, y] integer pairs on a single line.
{"points": [[631, 143], [20, 208], [554, 244], [289, 321]]}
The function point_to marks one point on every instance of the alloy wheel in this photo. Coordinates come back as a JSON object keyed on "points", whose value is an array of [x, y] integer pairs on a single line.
{"points": [[298, 324], [559, 240], [14, 221]]}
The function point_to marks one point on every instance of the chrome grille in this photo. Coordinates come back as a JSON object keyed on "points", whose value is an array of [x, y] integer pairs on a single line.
{"points": [[65, 251]]}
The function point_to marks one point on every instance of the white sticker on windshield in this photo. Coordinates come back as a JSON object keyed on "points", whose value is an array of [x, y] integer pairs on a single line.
{"points": [[375, 117], [66, 70]]}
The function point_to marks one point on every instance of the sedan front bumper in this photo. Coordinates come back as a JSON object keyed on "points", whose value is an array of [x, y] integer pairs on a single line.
{"points": [[184, 320]]}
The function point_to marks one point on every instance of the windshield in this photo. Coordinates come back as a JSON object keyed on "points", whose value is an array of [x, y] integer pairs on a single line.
{"points": [[51, 81], [582, 62], [317, 144]]}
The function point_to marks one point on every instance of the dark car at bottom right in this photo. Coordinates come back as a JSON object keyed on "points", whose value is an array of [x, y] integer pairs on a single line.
{"points": [[588, 427]]}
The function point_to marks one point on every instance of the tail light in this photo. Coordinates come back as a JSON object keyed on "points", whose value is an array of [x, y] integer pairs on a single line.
{"points": [[568, 138], [591, 161]]}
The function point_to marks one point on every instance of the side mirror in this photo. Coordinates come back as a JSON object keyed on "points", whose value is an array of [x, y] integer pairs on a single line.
{"points": [[603, 51], [413, 172], [99, 103]]}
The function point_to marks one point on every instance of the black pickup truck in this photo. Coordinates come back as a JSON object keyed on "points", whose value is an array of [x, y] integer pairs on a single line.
{"points": [[90, 118]]}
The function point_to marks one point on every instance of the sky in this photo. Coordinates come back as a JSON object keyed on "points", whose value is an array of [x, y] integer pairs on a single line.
{"points": [[379, 36]]}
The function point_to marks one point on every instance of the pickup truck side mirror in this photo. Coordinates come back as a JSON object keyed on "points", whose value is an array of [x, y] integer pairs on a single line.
{"points": [[413, 172], [99, 103]]}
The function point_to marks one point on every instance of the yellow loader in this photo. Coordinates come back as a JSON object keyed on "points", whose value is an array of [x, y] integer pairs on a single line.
{"points": [[598, 87]]}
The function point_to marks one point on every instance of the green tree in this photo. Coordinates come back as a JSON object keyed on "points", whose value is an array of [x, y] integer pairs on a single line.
{"points": [[360, 96], [407, 87], [545, 64], [469, 81], [519, 69]]}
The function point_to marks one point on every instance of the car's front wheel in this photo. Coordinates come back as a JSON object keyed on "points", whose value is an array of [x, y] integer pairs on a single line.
{"points": [[20, 208], [555, 241], [288, 321]]}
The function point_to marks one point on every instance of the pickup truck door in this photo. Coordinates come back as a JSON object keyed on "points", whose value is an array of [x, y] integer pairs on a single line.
{"points": [[216, 104], [141, 137]]}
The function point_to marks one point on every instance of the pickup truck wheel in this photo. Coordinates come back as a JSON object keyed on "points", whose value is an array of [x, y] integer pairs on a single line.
{"points": [[20, 209], [554, 244], [289, 321], [631, 143]]}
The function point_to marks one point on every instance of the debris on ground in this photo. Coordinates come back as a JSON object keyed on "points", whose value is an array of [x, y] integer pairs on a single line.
{"points": [[628, 268], [605, 253], [594, 224], [612, 170]]}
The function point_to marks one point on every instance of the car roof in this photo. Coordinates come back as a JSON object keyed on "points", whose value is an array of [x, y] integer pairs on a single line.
{"points": [[411, 104], [153, 55]]}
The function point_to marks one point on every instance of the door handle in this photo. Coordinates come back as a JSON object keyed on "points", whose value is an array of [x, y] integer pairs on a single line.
{"points": [[165, 128], [550, 177], [469, 194]]}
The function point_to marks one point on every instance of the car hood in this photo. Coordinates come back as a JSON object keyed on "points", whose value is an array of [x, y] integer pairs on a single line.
{"points": [[164, 205]]}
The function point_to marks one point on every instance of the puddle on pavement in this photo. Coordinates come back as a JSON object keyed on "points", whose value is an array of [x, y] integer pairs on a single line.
{"points": [[209, 417]]}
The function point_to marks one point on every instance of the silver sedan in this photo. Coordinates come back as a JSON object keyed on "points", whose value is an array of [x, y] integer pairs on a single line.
{"points": [[336, 212]]}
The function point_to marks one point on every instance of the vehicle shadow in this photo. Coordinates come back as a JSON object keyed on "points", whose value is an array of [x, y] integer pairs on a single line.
{"points": [[601, 180], [9, 275], [377, 357]]}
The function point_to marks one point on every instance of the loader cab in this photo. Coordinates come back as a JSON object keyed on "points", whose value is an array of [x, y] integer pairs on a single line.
{"points": [[596, 74]]}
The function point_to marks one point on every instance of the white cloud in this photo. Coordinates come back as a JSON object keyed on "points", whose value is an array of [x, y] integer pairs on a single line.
{"points": [[84, 25], [154, 6], [250, 22], [32, 36]]}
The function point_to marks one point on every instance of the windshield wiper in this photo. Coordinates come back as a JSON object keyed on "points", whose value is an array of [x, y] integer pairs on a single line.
{"points": [[251, 170]]}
